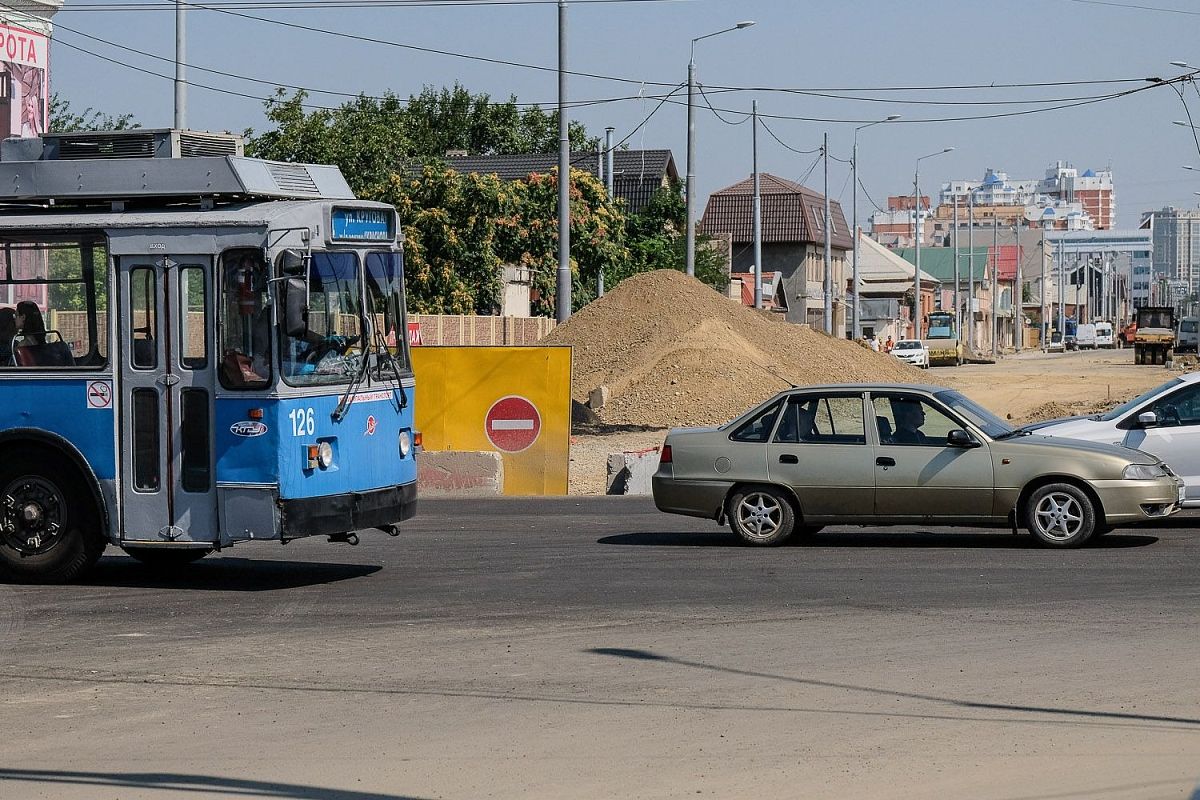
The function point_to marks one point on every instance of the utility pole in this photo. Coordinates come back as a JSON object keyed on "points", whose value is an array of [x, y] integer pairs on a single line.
{"points": [[957, 300], [758, 286], [1062, 293], [828, 246], [562, 291], [995, 283], [1045, 322], [608, 185], [180, 66], [1018, 290], [971, 268], [856, 325]]}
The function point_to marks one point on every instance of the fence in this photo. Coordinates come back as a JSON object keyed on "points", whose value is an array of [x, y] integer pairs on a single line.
{"points": [[461, 329]]}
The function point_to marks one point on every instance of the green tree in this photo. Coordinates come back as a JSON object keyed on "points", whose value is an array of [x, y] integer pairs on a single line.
{"points": [[64, 120]]}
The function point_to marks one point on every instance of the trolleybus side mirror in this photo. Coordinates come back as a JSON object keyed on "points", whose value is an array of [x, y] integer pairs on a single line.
{"points": [[291, 263], [295, 307]]}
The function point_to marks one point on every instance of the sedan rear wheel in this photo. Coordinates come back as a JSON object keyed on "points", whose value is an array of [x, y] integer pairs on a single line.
{"points": [[1060, 515], [761, 515]]}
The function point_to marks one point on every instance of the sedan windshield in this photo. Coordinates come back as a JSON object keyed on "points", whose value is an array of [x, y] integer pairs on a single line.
{"points": [[907, 346], [986, 421], [1137, 401]]}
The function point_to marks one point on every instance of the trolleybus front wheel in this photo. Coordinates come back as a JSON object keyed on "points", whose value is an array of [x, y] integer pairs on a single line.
{"points": [[167, 556], [49, 523]]}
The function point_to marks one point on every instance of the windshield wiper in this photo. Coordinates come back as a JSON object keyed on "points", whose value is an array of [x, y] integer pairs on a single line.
{"points": [[382, 356], [343, 406]]}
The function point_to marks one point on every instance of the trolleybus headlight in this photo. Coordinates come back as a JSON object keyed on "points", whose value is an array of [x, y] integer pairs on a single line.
{"points": [[405, 444], [325, 455]]}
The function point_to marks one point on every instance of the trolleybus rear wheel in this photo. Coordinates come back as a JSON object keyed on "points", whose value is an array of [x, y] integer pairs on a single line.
{"points": [[166, 556], [49, 523]]}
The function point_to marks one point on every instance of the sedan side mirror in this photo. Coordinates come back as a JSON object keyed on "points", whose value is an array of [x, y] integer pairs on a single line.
{"points": [[960, 438], [1147, 419]]}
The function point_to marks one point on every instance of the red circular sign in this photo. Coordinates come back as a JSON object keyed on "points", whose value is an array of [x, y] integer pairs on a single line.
{"points": [[512, 424]]}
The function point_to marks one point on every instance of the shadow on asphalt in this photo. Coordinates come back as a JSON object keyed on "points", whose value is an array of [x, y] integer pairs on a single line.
{"points": [[637, 654], [221, 574], [175, 785], [999, 540]]}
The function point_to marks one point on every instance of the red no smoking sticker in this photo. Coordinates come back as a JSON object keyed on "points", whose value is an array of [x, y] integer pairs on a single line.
{"points": [[99, 394], [512, 424]]}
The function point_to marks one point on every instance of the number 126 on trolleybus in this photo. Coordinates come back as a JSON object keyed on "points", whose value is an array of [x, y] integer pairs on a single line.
{"points": [[194, 352]]}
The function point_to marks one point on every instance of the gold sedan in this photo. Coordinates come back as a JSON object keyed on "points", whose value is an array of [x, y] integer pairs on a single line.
{"points": [[903, 455]]}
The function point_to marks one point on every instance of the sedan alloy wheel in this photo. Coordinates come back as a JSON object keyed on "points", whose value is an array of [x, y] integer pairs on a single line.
{"points": [[762, 516]]}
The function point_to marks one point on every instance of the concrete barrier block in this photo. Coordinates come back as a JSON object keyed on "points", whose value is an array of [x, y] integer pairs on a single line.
{"points": [[460, 473], [598, 397], [630, 472]]}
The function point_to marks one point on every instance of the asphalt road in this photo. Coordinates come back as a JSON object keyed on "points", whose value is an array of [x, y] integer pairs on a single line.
{"points": [[591, 647]]}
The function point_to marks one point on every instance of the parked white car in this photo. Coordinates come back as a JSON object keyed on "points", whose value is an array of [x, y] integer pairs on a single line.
{"points": [[1104, 335], [912, 351], [1085, 336], [1164, 422]]}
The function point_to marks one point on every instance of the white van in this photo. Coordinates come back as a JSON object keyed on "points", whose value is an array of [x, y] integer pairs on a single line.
{"points": [[1188, 336], [1085, 336], [1104, 334]]}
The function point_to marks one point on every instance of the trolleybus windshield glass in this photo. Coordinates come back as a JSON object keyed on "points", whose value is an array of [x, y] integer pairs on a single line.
{"points": [[53, 302], [385, 300], [330, 352]]}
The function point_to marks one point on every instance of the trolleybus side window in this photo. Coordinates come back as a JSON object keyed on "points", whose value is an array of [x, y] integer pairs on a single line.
{"points": [[385, 299], [53, 302], [330, 351], [193, 319], [143, 304], [245, 321]]}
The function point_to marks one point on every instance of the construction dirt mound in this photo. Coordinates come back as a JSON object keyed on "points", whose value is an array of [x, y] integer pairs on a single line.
{"points": [[674, 352]]}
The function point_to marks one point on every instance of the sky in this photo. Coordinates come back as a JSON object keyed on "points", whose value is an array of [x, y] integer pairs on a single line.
{"points": [[795, 44]]}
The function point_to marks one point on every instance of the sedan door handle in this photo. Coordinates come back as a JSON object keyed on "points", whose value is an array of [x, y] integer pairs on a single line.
{"points": [[885, 461], [788, 458]]}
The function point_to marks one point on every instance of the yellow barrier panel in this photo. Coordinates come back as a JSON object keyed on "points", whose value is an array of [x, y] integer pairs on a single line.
{"points": [[512, 400]]}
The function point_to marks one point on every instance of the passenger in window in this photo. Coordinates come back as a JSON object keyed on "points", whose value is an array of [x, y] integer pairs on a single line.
{"points": [[8, 331], [909, 419], [30, 323]]}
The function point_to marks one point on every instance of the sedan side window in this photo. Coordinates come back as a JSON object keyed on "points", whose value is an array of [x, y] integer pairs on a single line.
{"points": [[1180, 408], [822, 420], [911, 420], [758, 428]]}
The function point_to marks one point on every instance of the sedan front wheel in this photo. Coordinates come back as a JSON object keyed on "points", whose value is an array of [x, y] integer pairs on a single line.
{"points": [[1060, 515], [761, 515]]}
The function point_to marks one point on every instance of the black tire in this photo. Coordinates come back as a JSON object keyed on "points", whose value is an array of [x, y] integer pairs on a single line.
{"points": [[1101, 530], [49, 522], [761, 516], [1060, 515], [166, 556]]}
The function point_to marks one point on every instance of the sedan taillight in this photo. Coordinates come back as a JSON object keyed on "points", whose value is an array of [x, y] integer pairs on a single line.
{"points": [[665, 456]]}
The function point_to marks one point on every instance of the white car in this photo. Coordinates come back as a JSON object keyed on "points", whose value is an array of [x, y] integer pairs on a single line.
{"points": [[1164, 422], [912, 351]]}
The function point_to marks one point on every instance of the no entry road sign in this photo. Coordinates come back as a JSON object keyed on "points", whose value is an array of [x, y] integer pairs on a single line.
{"points": [[512, 424]]}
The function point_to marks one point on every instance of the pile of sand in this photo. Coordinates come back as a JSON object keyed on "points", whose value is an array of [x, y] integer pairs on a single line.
{"points": [[674, 352]]}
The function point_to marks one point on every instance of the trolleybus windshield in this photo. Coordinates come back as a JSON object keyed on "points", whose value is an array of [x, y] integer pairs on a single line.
{"points": [[330, 351], [385, 301]]}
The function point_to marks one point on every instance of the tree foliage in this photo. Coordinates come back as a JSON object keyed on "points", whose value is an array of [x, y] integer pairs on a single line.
{"points": [[370, 138], [462, 230], [64, 120]]}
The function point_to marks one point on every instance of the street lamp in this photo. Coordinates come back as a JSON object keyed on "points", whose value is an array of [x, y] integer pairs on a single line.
{"points": [[857, 330], [691, 145], [916, 306]]}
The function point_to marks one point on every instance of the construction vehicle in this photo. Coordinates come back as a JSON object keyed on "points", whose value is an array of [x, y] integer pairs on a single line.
{"points": [[1155, 334], [941, 340]]}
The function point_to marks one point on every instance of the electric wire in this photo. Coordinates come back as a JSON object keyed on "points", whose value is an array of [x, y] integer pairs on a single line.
{"points": [[784, 144], [716, 113]]}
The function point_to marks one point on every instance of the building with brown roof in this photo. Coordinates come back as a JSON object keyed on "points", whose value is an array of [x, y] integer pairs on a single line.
{"points": [[793, 243]]}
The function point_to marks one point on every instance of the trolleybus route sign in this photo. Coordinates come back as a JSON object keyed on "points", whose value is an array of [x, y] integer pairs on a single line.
{"points": [[99, 394], [512, 424]]}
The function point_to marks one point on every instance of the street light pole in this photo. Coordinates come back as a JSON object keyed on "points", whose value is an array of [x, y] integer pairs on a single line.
{"points": [[856, 325], [691, 144], [827, 285], [916, 303], [995, 284], [957, 279], [971, 268], [180, 65], [562, 289], [757, 213]]}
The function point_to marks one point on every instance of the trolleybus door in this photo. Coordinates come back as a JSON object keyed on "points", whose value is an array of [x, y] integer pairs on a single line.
{"points": [[167, 375]]}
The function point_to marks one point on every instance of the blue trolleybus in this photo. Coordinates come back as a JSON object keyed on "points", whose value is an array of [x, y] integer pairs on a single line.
{"points": [[196, 349]]}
